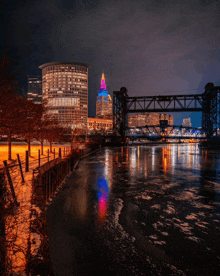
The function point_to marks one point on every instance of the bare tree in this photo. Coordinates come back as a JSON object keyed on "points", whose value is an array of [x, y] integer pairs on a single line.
{"points": [[54, 132], [10, 114], [31, 121]]}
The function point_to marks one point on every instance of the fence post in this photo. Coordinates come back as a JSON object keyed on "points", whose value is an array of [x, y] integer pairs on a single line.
{"points": [[48, 155], [60, 152], [27, 161], [10, 182], [50, 185], [38, 158], [19, 162]]}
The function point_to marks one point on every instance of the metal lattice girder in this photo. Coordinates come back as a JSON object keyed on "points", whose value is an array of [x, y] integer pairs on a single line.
{"points": [[171, 103], [150, 131], [208, 103]]}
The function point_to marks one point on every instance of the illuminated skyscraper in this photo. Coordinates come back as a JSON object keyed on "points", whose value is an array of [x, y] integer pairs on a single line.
{"points": [[34, 90], [65, 91], [104, 101]]}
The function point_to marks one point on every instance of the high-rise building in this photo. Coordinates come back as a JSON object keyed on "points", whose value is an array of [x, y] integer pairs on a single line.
{"points": [[104, 101], [99, 125], [150, 119], [65, 92], [34, 90], [187, 122]]}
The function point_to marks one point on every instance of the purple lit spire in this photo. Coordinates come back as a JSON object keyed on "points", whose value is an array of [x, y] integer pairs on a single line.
{"points": [[103, 85]]}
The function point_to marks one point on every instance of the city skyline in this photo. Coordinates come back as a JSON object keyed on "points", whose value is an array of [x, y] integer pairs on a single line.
{"points": [[149, 47]]}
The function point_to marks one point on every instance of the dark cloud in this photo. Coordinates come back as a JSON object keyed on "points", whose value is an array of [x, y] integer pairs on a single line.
{"points": [[150, 47]]}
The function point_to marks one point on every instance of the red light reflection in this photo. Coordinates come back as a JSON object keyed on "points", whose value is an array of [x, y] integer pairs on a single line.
{"points": [[102, 208], [102, 197]]}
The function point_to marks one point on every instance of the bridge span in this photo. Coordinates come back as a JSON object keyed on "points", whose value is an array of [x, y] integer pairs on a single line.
{"points": [[208, 103], [157, 132]]}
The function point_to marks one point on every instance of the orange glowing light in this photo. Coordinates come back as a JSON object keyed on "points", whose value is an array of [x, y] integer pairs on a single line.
{"points": [[165, 156], [17, 227], [165, 162]]}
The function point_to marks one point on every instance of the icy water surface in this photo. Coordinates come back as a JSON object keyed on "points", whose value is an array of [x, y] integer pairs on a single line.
{"points": [[142, 210]]}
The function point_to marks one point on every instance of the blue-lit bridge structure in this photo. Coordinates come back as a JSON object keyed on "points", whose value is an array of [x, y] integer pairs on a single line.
{"points": [[208, 103], [159, 132]]}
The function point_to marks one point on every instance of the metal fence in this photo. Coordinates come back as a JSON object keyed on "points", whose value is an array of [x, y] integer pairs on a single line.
{"points": [[22, 211], [47, 178]]}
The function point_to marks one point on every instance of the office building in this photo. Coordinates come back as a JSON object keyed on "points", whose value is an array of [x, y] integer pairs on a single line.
{"points": [[149, 118], [187, 122], [104, 101], [34, 90], [65, 92], [99, 125]]}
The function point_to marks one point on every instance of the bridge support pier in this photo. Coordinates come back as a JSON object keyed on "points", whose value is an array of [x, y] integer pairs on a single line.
{"points": [[120, 121], [211, 111]]}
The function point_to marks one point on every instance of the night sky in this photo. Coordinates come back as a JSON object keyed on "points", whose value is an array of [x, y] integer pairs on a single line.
{"points": [[151, 47]]}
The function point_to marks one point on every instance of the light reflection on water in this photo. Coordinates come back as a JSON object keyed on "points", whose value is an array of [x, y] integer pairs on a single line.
{"points": [[177, 186], [103, 190], [144, 207]]}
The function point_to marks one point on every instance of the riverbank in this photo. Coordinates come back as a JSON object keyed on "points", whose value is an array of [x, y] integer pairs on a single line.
{"points": [[24, 225]]}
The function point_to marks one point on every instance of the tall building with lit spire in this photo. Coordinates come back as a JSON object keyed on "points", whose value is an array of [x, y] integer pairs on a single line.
{"points": [[104, 101]]}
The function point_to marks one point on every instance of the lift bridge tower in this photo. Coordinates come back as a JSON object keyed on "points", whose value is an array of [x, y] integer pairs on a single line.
{"points": [[120, 113], [208, 103], [211, 111]]}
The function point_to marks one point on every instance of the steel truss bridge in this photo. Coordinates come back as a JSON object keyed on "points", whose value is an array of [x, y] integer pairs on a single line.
{"points": [[169, 132], [208, 103]]}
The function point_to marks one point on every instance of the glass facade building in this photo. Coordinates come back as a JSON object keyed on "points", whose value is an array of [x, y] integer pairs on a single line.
{"points": [[187, 122], [65, 92], [34, 90]]}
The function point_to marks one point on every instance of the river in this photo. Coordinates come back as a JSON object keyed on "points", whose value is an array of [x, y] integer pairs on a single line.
{"points": [[139, 210]]}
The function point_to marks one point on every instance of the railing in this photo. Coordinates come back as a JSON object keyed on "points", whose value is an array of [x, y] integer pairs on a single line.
{"points": [[47, 178], [20, 169], [23, 226]]}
